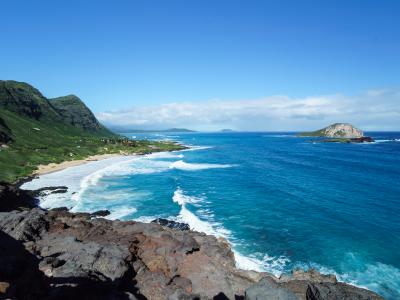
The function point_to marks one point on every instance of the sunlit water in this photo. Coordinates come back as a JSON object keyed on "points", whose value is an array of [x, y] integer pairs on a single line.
{"points": [[282, 201]]}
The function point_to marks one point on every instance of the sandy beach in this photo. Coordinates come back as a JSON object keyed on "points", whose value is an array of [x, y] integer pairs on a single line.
{"points": [[54, 167]]}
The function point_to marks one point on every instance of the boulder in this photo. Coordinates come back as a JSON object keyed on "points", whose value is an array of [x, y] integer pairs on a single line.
{"points": [[100, 213], [171, 224], [268, 289]]}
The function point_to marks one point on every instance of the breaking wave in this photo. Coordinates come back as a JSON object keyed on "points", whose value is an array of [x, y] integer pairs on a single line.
{"points": [[181, 165], [386, 141], [274, 265], [121, 212], [195, 223]]}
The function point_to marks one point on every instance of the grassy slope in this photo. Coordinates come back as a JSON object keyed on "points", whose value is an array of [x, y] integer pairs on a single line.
{"points": [[56, 142], [317, 133], [75, 112], [34, 131]]}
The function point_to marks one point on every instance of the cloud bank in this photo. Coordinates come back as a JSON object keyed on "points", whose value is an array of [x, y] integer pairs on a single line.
{"points": [[371, 110]]}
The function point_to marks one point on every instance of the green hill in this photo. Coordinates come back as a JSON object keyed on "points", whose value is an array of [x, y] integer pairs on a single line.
{"points": [[74, 112], [23, 99], [35, 130]]}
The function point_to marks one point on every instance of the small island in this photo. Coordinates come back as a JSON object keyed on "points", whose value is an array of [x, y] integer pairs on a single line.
{"points": [[339, 133]]}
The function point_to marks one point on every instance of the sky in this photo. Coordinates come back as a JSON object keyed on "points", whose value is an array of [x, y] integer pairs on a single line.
{"points": [[208, 65]]}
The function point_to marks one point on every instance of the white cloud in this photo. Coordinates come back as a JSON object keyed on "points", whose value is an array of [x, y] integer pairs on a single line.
{"points": [[372, 110]]}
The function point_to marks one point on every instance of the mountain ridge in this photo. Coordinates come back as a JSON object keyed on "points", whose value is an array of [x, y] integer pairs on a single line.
{"points": [[27, 101], [37, 131], [74, 111]]}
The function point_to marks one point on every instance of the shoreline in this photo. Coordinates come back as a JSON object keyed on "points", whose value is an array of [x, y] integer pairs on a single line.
{"points": [[55, 167]]}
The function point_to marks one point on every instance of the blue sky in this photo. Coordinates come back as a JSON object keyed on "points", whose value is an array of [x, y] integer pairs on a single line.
{"points": [[129, 57]]}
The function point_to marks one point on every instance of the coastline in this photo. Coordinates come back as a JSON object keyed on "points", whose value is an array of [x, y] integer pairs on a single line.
{"points": [[71, 165], [55, 167]]}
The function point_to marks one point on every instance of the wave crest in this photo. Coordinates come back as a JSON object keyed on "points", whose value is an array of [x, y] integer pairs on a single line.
{"points": [[181, 165]]}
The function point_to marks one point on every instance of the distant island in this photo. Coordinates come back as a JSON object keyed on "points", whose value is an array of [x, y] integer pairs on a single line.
{"points": [[339, 132], [227, 130]]}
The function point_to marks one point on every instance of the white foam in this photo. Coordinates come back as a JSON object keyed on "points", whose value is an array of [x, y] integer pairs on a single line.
{"points": [[182, 199], [381, 141], [195, 148], [248, 262], [386, 141], [262, 263], [211, 228], [146, 219], [181, 165], [146, 164], [375, 276], [278, 135], [70, 177], [195, 223], [80, 178], [121, 212], [165, 155], [121, 168]]}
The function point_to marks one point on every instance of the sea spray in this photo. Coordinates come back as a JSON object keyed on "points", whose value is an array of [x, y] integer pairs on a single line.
{"points": [[181, 165]]}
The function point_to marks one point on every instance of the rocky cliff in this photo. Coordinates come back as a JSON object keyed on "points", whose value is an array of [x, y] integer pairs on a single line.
{"points": [[74, 112], [61, 255], [26, 102], [337, 130]]}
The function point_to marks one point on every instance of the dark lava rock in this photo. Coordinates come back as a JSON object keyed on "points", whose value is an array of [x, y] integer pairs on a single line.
{"points": [[44, 191], [57, 254], [171, 224], [268, 289], [364, 139], [63, 208], [12, 198], [100, 213], [312, 285]]}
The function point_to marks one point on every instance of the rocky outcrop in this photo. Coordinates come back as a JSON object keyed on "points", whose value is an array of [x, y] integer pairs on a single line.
{"points": [[312, 285], [73, 111], [12, 197], [364, 139], [337, 130], [61, 255], [171, 224]]}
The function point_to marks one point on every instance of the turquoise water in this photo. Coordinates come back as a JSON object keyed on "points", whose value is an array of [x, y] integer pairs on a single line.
{"points": [[282, 201]]}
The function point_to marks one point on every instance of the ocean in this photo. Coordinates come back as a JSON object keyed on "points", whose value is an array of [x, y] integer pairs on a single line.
{"points": [[283, 202]]}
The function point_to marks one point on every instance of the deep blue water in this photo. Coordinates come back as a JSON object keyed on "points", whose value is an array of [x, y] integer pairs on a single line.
{"points": [[283, 201]]}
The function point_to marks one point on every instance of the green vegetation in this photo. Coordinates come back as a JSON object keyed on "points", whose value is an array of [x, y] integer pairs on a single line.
{"points": [[317, 133], [76, 113], [337, 140], [35, 130]]}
